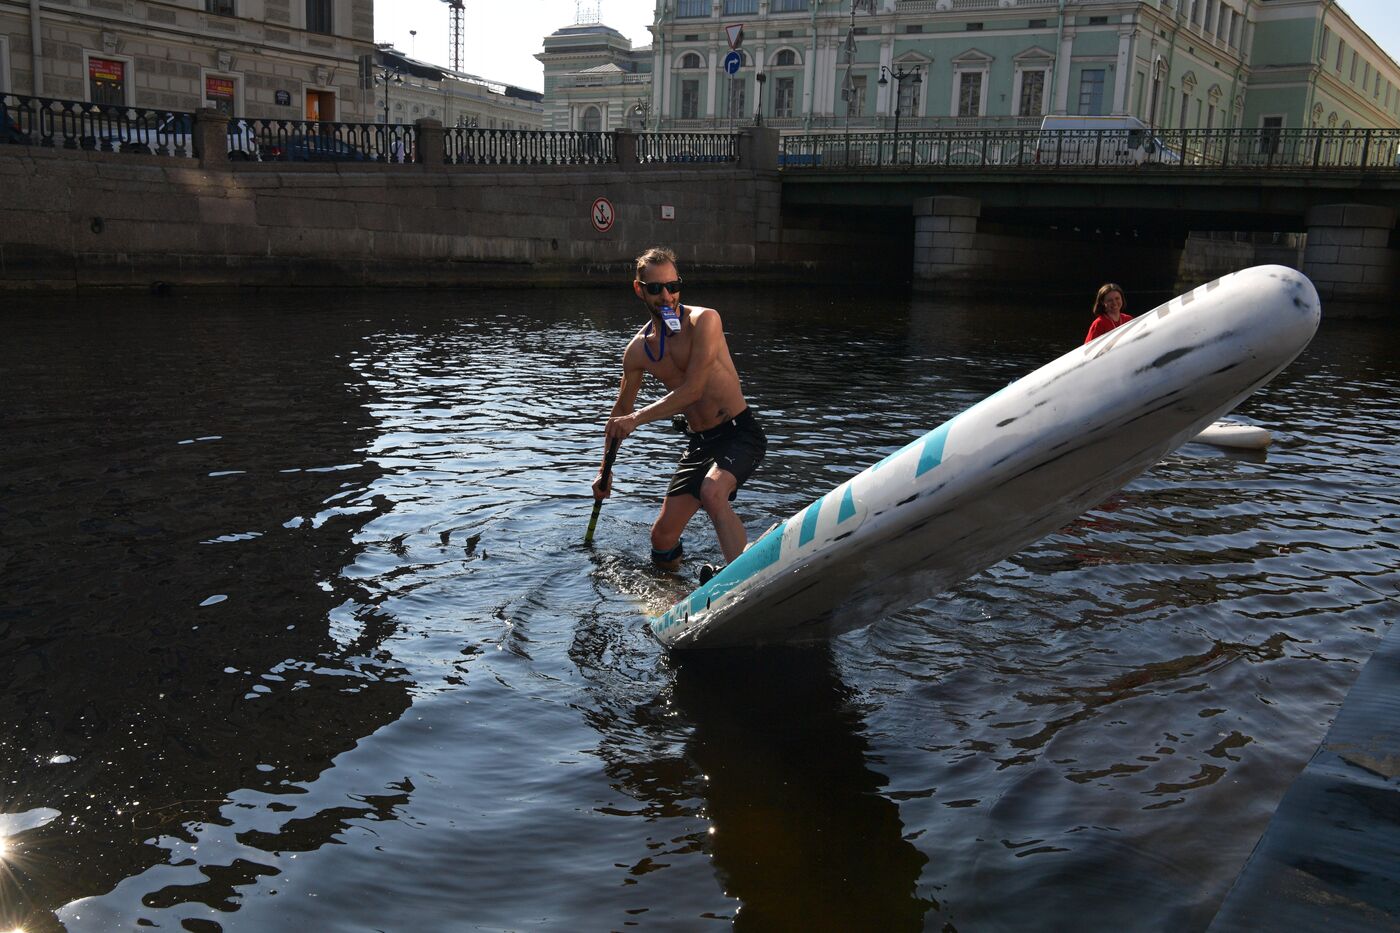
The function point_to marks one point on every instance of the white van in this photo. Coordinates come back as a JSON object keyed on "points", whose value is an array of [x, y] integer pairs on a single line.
{"points": [[1072, 139]]}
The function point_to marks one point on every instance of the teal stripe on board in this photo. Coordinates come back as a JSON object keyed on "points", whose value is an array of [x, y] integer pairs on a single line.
{"points": [[848, 506], [809, 522], [763, 553], [932, 454]]}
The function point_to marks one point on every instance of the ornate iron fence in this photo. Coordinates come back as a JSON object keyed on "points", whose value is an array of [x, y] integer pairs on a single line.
{"points": [[322, 141], [476, 146], [687, 147], [71, 124], [1166, 150]]}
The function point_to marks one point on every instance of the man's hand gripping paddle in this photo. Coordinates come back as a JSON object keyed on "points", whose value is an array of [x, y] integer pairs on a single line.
{"points": [[598, 503]]}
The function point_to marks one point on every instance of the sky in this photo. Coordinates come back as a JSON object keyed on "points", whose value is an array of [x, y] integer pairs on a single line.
{"points": [[500, 39]]}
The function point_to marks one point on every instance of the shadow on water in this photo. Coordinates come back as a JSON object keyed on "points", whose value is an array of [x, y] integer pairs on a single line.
{"points": [[169, 643], [767, 749]]}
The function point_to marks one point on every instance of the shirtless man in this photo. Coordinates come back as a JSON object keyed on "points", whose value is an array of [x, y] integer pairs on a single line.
{"points": [[690, 357]]}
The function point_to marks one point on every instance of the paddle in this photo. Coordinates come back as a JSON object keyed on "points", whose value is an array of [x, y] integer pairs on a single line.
{"points": [[598, 503]]}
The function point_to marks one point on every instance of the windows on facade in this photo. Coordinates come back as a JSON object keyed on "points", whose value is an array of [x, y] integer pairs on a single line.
{"points": [[221, 93], [318, 16], [219, 7], [692, 9], [690, 99], [1091, 82], [736, 7], [788, 6], [107, 80], [1185, 109], [4, 64], [970, 94], [1032, 99], [785, 59], [592, 121], [783, 91], [692, 60], [855, 102], [1341, 50], [737, 100], [1269, 131]]}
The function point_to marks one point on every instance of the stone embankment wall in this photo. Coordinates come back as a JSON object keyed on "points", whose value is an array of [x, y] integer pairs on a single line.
{"points": [[89, 219]]}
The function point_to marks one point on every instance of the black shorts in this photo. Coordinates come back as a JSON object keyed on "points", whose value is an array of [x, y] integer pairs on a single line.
{"points": [[736, 445]]}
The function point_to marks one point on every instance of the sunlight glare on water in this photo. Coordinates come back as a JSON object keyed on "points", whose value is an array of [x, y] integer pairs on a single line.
{"points": [[301, 632]]}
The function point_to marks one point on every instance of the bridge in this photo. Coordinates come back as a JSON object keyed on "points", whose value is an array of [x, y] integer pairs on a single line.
{"points": [[1007, 206]]}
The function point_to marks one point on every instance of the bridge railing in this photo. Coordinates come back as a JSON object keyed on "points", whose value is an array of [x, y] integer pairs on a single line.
{"points": [[1032, 149]]}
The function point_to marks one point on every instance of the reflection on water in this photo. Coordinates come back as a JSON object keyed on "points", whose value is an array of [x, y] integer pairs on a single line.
{"points": [[299, 632]]}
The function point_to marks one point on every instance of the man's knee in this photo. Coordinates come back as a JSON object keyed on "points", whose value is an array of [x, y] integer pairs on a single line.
{"points": [[667, 558], [715, 495]]}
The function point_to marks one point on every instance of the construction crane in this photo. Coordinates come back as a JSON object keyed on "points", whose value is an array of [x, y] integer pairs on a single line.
{"points": [[454, 31]]}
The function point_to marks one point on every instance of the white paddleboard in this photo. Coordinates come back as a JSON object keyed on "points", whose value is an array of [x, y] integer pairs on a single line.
{"points": [[1012, 468], [1226, 433]]}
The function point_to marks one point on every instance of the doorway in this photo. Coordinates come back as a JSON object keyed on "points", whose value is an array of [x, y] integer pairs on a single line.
{"points": [[320, 105]]}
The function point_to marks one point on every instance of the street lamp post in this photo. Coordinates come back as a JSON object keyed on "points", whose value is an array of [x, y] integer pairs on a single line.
{"points": [[392, 149], [387, 75], [899, 74]]}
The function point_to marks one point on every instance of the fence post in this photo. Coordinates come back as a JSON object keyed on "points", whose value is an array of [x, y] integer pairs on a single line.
{"points": [[625, 147], [1366, 148], [758, 149], [432, 142], [210, 140]]}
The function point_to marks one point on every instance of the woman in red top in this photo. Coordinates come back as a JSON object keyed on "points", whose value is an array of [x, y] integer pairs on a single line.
{"points": [[1108, 311]]}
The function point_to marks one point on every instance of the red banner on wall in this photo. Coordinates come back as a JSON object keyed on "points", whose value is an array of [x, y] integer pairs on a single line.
{"points": [[218, 88], [106, 69]]}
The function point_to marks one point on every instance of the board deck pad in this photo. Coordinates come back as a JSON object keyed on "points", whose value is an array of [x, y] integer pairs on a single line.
{"points": [[1016, 466]]}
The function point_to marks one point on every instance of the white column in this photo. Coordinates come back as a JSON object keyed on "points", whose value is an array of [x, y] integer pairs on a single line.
{"points": [[1124, 78], [1063, 59], [807, 74], [710, 89]]}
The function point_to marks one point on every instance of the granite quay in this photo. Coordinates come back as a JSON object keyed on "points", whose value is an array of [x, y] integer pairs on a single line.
{"points": [[122, 197]]}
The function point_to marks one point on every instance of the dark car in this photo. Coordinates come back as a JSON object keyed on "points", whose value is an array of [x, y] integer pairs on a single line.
{"points": [[313, 149]]}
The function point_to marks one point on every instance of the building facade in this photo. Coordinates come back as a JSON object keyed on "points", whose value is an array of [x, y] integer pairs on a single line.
{"points": [[814, 65], [286, 59], [594, 79], [406, 90]]}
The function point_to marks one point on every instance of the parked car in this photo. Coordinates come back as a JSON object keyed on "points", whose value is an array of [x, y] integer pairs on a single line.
{"points": [[173, 134], [311, 148]]}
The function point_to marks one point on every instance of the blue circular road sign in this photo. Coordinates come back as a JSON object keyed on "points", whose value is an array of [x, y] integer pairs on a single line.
{"points": [[732, 61]]}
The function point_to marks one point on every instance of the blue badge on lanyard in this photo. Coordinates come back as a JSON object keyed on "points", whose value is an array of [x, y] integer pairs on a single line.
{"points": [[672, 319]]}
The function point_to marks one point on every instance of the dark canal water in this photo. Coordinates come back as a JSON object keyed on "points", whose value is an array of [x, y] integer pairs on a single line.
{"points": [[297, 632]]}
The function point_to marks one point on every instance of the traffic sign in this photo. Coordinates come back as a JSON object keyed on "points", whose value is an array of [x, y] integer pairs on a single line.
{"points": [[735, 31], [603, 215], [732, 61]]}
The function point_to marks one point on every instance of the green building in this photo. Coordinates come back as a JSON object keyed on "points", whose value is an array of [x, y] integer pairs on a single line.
{"points": [[820, 65]]}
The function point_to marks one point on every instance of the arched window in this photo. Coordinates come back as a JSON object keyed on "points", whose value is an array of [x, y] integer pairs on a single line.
{"points": [[785, 59], [691, 60], [592, 120]]}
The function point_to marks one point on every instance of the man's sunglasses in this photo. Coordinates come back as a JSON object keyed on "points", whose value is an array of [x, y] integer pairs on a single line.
{"points": [[654, 288]]}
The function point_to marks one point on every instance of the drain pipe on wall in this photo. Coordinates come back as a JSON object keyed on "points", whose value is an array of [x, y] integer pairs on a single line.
{"points": [[36, 50]]}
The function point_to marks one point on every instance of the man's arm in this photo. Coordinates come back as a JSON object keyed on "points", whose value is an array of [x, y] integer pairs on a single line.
{"points": [[704, 351], [626, 399]]}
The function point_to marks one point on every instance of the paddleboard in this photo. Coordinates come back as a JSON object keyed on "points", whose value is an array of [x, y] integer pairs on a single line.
{"points": [[1226, 433], [1014, 467]]}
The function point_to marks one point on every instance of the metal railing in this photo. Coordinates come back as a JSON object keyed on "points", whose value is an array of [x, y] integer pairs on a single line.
{"points": [[687, 147], [318, 141], [71, 124], [1166, 150], [476, 146]]}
